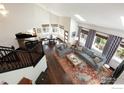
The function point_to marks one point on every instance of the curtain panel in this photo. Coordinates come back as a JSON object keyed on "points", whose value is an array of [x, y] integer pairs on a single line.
{"points": [[111, 47], [90, 38]]}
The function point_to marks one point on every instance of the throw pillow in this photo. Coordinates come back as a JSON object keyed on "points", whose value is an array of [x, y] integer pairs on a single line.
{"points": [[88, 52], [93, 55], [97, 60], [79, 48]]}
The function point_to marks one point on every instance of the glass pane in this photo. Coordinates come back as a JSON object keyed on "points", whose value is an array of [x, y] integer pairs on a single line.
{"points": [[120, 53], [99, 44], [83, 38]]}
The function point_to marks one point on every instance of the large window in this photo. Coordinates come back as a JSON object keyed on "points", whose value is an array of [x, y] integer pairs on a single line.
{"points": [[99, 42], [119, 54], [49, 30]]}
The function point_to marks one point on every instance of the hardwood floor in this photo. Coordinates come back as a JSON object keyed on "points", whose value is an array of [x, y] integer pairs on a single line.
{"points": [[55, 72]]}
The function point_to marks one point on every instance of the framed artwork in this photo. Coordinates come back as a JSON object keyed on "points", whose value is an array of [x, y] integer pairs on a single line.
{"points": [[73, 34], [38, 30]]}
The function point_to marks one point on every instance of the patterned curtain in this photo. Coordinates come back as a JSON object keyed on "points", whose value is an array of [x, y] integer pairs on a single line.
{"points": [[90, 38], [111, 47]]}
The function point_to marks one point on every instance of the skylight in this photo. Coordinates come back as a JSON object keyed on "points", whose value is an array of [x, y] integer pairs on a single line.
{"points": [[80, 17], [122, 20]]}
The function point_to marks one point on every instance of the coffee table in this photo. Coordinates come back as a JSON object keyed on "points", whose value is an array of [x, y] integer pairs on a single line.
{"points": [[74, 59]]}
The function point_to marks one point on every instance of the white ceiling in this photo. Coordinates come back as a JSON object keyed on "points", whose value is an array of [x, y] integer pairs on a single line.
{"points": [[104, 14]]}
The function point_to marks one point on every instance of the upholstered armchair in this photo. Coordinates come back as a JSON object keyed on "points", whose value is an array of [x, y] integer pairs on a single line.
{"points": [[62, 49]]}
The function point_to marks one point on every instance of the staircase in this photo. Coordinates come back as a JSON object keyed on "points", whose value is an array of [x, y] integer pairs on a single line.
{"points": [[13, 59]]}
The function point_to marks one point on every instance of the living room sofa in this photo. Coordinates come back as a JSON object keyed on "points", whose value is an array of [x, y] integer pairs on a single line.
{"points": [[93, 59]]}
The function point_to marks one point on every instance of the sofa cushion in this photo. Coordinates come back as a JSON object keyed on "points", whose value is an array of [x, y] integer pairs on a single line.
{"points": [[88, 59], [88, 52], [97, 60], [94, 59]]}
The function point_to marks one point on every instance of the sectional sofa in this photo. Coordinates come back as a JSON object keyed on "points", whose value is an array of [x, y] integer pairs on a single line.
{"points": [[93, 59]]}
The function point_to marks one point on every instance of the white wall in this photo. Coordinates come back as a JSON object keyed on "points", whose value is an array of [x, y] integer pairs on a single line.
{"points": [[54, 19], [13, 77], [21, 18], [65, 21]]}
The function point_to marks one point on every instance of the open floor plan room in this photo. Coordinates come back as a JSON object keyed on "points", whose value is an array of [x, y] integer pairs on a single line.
{"points": [[62, 43]]}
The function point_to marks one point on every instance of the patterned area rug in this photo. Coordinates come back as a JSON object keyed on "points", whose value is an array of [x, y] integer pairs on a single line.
{"points": [[82, 74]]}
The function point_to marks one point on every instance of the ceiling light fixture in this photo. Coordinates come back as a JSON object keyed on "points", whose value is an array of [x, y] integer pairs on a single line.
{"points": [[3, 11], [79, 17], [122, 20]]}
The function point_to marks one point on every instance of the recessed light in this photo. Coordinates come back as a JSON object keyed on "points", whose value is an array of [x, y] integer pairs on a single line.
{"points": [[122, 20], [79, 17]]}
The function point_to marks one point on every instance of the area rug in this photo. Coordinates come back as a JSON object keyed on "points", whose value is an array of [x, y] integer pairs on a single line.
{"points": [[82, 74]]}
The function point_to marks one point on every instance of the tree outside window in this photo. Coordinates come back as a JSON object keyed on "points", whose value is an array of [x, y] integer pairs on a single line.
{"points": [[120, 52], [100, 43]]}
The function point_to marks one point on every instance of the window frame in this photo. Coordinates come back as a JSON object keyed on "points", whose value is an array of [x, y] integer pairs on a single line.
{"points": [[104, 36]]}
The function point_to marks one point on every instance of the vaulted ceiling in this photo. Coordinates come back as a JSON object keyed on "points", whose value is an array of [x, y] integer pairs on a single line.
{"points": [[104, 14]]}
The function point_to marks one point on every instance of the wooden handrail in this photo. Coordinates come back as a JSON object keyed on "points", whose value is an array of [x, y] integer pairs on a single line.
{"points": [[15, 59]]}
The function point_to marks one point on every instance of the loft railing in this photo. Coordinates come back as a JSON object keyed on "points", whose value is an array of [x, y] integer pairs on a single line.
{"points": [[8, 54], [11, 59], [36, 52]]}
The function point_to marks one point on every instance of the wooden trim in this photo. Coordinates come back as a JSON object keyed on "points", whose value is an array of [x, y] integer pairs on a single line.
{"points": [[82, 28], [105, 37], [54, 25], [122, 44], [84, 31], [60, 26], [45, 25]]}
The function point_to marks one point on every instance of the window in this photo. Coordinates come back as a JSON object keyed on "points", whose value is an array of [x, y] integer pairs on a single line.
{"points": [[119, 54], [99, 42], [83, 37], [45, 29], [55, 29]]}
